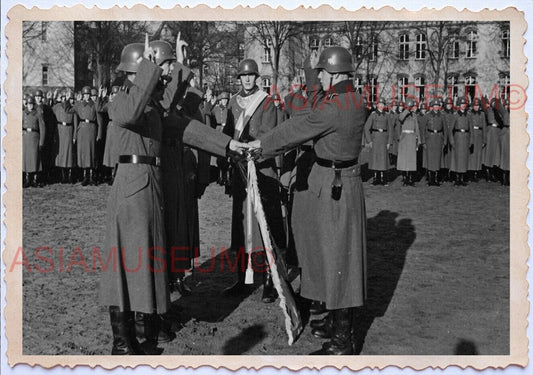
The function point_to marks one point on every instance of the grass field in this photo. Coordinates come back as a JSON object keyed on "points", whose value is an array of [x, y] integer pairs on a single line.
{"points": [[438, 264]]}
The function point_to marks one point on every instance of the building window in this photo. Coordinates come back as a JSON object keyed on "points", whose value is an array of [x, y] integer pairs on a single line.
{"points": [[44, 31], [453, 86], [421, 45], [402, 88], [358, 84], [404, 47], [328, 42], [267, 55], [470, 87], [454, 49], [504, 86], [506, 43], [44, 76], [266, 84], [314, 43], [358, 48], [471, 44], [373, 53], [373, 81], [420, 84]]}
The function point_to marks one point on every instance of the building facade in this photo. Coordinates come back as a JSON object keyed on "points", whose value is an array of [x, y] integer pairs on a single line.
{"points": [[48, 55], [398, 59]]}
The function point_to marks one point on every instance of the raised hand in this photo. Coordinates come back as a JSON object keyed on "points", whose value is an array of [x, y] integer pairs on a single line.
{"points": [[148, 51], [181, 50]]}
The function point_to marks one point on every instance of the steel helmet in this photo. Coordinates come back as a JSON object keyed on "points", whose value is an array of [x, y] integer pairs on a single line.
{"points": [[86, 90], [248, 66], [223, 95], [30, 100], [163, 51], [38, 93], [129, 56], [335, 60], [94, 92]]}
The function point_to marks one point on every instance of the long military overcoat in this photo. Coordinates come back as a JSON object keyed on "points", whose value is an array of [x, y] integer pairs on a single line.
{"points": [[434, 133], [64, 113], [331, 237], [479, 138], [378, 130], [460, 140], [32, 140]]}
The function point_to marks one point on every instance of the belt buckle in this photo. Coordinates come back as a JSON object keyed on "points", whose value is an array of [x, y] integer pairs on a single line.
{"points": [[157, 161], [64, 123], [86, 120]]}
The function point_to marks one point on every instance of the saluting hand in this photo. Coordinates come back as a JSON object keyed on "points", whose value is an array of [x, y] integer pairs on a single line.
{"points": [[149, 53], [181, 50]]}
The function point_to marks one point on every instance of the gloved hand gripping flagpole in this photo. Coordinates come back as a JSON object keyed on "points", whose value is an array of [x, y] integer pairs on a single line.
{"points": [[293, 321]]}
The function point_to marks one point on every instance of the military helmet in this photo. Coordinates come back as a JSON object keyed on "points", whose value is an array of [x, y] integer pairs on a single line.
{"points": [[335, 60], [63, 94], [30, 100], [86, 90], [163, 51], [248, 66], [115, 89], [94, 92], [129, 56], [223, 95], [38, 93]]}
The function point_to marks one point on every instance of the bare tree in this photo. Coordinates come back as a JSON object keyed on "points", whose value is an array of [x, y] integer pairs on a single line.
{"points": [[273, 35]]}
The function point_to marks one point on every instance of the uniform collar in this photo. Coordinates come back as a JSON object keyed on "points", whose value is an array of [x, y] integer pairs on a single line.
{"points": [[343, 87], [253, 91]]}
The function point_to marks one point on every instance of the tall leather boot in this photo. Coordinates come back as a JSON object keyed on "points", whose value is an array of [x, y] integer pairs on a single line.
{"points": [[93, 180], [411, 178], [323, 328], [25, 180], [384, 179], [269, 292], [37, 182], [341, 338], [70, 176], [85, 180], [147, 328], [375, 180], [239, 288], [124, 341]]}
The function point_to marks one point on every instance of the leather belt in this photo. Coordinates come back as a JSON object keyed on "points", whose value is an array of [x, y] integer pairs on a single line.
{"points": [[64, 123], [336, 164], [379, 130], [87, 121], [434, 131], [140, 159], [29, 130], [461, 131], [408, 131], [306, 148]]}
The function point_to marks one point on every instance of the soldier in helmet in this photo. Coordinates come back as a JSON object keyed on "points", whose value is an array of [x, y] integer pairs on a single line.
{"points": [[462, 143], [135, 212], [378, 133], [434, 135], [110, 159], [33, 136], [64, 113], [87, 131], [478, 120], [220, 115], [505, 116], [409, 139], [491, 155], [47, 150], [331, 252], [250, 115]]}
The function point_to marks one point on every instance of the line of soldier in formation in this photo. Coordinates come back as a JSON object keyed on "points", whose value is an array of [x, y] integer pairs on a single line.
{"points": [[158, 112]]}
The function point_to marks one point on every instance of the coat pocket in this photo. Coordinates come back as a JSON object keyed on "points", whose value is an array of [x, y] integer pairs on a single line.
{"points": [[135, 184]]}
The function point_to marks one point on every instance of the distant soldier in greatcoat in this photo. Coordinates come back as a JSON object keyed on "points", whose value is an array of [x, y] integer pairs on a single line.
{"points": [[331, 252], [110, 159], [435, 138], [505, 115], [409, 139], [449, 120], [33, 136], [65, 113], [479, 140], [42, 104], [462, 143], [492, 152], [378, 134], [87, 131]]}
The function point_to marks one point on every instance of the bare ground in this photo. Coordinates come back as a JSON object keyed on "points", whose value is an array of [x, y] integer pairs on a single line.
{"points": [[438, 264]]}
